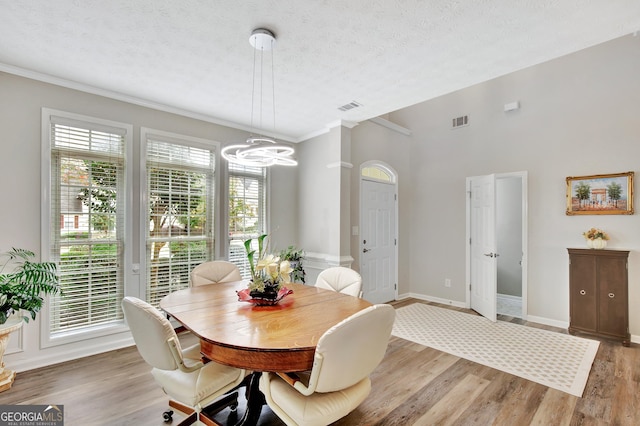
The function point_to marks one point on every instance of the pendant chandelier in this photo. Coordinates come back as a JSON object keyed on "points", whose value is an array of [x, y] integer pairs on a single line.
{"points": [[260, 151]]}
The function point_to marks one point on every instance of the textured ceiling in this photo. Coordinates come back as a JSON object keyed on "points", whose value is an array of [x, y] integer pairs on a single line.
{"points": [[194, 56]]}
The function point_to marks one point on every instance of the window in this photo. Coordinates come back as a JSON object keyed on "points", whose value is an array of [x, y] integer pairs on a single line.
{"points": [[180, 205], [377, 172], [86, 160], [247, 211]]}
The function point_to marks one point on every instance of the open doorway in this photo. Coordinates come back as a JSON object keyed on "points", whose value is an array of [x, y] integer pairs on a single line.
{"points": [[509, 223], [497, 249]]}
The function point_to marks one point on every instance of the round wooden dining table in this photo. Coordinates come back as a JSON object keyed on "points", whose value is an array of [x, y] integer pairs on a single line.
{"points": [[278, 338]]}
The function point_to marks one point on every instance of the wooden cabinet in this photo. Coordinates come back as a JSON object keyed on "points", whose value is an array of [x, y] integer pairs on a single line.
{"points": [[598, 294]]}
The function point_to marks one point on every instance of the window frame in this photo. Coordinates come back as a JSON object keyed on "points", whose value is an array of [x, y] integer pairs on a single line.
{"points": [[46, 337], [264, 202], [145, 134]]}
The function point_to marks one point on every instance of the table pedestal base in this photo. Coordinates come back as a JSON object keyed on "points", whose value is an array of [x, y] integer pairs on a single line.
{"points": [[255, 401]]}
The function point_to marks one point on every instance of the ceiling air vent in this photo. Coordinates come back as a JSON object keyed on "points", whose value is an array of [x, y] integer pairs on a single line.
{"points": [[350, 105], [460, 122]]}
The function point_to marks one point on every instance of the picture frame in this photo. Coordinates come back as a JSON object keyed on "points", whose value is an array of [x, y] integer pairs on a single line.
{"points": [[600, 194]]}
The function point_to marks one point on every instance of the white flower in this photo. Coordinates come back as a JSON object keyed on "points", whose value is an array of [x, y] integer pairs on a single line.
{"points": [[266, 269], [266, 261], [285, 271]]}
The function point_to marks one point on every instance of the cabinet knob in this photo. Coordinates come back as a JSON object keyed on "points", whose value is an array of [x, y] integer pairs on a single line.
{"points": [[582, 292], [611, 295]]}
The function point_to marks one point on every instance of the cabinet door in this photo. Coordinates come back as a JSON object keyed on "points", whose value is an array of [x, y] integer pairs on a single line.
{"points": [[612, 296], [582, 288]]}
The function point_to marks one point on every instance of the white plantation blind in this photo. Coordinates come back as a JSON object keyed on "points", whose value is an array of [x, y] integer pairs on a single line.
{"points": [[180, 194], [87, 223], [247, 211]]}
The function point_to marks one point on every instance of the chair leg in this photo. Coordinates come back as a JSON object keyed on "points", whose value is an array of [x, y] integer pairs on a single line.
{"points": [[207, 421], [207, 413], [180, 406], [192, 416]]}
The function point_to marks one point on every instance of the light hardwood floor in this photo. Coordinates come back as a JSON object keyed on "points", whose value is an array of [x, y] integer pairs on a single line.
{"points": [[413, 385]]}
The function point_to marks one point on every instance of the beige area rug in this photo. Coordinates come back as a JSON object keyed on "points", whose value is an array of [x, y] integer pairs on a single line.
{"points": [[560, 361]]}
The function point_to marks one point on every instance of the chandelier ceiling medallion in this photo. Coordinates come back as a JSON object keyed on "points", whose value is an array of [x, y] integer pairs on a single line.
{"points": [[260, 151]]}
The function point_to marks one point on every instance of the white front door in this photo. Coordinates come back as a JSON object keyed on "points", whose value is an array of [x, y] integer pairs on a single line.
{"points": [[378, 241], [483, 256]]}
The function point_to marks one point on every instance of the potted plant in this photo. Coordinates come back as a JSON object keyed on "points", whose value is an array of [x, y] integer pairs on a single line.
{"points": [[294, 256], [22, 289], [596, 238]]}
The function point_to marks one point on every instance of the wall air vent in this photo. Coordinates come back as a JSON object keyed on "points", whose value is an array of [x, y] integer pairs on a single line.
{"points": [[350, 105], [460, 122]]}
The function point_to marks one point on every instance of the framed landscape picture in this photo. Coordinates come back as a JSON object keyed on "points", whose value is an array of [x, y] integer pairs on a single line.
{"points": [[600, 194]]}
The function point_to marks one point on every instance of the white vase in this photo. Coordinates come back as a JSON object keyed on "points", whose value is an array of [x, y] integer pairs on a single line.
{"points": [[596, 243], [7, 376]]}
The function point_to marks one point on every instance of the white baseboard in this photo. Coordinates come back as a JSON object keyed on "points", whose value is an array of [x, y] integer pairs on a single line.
{"points": [[20, 364], [433, 299], [456, 303], [548, 321]]}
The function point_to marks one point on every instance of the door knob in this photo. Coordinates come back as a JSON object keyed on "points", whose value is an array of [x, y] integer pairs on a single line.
{"points": [[364, 250], [491, 254]]}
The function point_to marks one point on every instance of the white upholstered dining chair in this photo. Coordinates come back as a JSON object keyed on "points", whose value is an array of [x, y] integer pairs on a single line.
{"points": [[191, 384], [339, 381], [215, 271], [340, 279]]}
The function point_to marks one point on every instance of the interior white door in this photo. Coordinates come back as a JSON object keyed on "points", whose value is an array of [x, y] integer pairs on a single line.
{"points": [[484, 282], [378, 241]]}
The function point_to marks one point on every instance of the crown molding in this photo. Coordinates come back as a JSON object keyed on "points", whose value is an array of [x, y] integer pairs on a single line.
{"points": [[46, 78], [337, 164], [390, 125]]}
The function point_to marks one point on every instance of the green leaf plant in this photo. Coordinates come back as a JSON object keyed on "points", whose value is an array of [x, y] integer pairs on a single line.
{"points": [[26, 285]]}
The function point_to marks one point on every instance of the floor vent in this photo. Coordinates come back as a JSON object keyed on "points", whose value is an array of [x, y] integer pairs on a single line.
{"points": [[350, 105], [460, 122]]}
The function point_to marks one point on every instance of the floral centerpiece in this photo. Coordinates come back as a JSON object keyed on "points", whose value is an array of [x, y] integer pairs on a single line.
{"points": [[268, 275], [596, 238]]}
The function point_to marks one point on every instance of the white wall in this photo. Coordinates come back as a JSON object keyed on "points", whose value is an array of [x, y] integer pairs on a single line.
{"points": [[324, 221], [578, 116]]}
